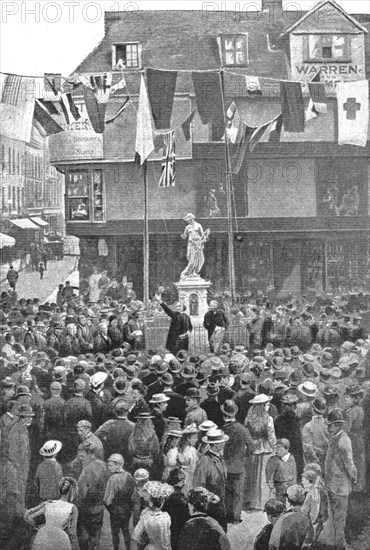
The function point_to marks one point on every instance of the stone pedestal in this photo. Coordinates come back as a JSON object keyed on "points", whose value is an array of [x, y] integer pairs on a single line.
{"points": [[193, 294]]}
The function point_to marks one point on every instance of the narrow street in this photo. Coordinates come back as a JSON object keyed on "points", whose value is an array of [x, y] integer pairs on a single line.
{"points": [[29, 284]]}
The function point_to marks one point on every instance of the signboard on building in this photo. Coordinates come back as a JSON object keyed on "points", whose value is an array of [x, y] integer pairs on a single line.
{"points": [[77, 142]]}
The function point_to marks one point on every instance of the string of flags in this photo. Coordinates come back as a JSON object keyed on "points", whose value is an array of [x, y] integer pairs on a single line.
{"points": [[21, 106]]}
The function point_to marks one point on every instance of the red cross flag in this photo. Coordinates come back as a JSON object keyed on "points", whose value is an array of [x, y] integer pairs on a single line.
{"points": [[353, 112]]}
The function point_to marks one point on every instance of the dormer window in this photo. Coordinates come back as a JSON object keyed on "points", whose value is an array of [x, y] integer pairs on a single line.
{"points": [[126, 56], [328, 47], [234, 50]]}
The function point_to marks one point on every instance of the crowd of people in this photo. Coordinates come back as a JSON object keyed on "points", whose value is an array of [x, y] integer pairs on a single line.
{"points": [[177, 445]]}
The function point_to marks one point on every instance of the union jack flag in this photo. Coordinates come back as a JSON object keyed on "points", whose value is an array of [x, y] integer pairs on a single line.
{"points": [[167, 178]]}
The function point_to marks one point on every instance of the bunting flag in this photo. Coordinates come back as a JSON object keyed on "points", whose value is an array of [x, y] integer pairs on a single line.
{"points": [[52, 86], [208, 95], [234, 128], [45, 123], [144, 144], [70, 110], [119, 111], [168, 173], [292, 106], [161, 91], [260, 131], [317, 103], [186, 125], [17, 106], [253, 85], [353, 112], [96, 99], [50, 106], [273, 132], [121, 85], [238, 158]]}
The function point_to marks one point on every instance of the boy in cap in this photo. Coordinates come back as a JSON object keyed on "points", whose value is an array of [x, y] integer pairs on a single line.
{"points": [[49, 472], [281, 470], [118, 500], [139, 497]]}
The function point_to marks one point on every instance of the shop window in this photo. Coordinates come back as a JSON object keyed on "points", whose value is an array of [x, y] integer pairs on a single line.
{"points": [[327, 47], [234, 50], [126, 56], [85, 196]]}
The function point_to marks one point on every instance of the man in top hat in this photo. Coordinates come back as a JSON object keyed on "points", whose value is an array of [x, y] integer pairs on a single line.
{"points": [[315, 436], [210, 471], [293, 528], [239, 445], [115, 433], [340, 475], [287, 426], [194, 413], [215, 321]]}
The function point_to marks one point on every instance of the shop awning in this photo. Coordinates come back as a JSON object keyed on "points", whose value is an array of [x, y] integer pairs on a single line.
{"points": [[39, 221], [24, 223], [6, 241]]}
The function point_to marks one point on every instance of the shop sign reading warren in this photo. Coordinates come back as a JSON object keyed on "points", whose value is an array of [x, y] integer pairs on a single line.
{"points": [[77, 142]]}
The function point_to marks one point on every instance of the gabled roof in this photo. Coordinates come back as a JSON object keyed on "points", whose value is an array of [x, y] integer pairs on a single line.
{"points": [[187, 40], [319, 7]]}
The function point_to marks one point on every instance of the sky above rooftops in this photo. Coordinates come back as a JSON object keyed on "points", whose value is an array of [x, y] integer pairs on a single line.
{"points": [[46, 36]]}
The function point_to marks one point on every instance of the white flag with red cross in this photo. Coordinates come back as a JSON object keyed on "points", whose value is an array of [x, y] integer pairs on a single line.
{"points": [[353, 112]]}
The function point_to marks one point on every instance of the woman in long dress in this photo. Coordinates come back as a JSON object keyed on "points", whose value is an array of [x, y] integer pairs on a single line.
{"points": [[261, 427], [188, 455], [144, 446], [94, 290], [153, 530], [170, 452], [60, 529]]}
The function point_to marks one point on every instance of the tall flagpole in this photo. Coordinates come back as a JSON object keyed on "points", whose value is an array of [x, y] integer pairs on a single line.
{"points": [[146, 238], [230, 229]]}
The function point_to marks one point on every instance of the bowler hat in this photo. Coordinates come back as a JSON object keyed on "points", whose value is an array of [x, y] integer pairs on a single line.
{"points": [[290, 398], [326, 358], [192, 393], [245, 379], [167, 379], [229, 408], [182, 355], [24, 409], [141, 474], [295, 378], [144, 416], [22, 362], [354, 390], [274, 507], [295, 494], [335, 373], [120, 385], [225, 348], [308, 370], [188, 372], [319, 405], [278, 362], [201, 377], [212, 389], [324, 374], [162, 367], [295, 351], [330, 391], [23, 390], [335, 417]]}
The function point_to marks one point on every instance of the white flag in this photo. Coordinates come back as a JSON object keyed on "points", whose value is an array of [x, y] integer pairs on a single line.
{"points": [[144, 134], [353, 112]]}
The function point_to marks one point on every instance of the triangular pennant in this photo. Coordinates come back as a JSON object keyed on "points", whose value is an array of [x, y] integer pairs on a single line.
{"points": [[161, 91], [186, 125], [144, 144], [46, 124]]}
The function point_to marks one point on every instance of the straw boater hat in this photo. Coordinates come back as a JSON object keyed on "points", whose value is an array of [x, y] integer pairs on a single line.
{"points": [[335, 417], [141, 474], [175, 433], [189, 217], [215, 436], [309, 389], [259, 399], [191, 429], [159, 398], [207, 425], [144, 416], [98, 378], [50, 448]]}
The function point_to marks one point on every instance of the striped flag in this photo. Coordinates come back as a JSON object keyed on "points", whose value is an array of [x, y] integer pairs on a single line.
{"points": [[11, 90], [167, 178], [17, 105]]}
